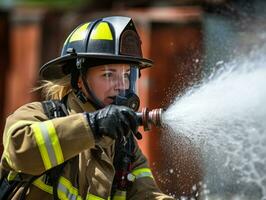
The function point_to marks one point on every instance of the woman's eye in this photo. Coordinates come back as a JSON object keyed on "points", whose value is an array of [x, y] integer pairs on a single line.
{"points": [[126, 75], [107, 74]]}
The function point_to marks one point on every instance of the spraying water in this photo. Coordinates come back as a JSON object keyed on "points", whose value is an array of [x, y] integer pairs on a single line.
{"points": [[226, 117]]}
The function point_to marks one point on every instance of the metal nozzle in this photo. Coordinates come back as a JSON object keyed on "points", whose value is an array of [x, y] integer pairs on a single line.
{"points": [[148, 118]]}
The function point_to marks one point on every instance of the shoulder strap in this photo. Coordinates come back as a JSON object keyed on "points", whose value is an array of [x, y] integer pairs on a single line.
{"points": [[54, 108]]}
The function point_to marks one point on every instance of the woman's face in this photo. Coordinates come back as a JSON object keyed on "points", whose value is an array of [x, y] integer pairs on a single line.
{"points": [[106, 81]]}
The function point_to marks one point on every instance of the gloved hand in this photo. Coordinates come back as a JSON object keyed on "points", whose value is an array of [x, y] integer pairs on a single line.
{"points": [[113, 121]]}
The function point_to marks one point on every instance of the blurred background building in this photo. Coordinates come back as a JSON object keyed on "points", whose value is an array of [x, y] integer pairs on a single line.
{"points": [[185, 38]]}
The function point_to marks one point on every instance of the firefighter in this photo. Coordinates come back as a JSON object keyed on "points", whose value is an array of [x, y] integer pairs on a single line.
{"points": [[90, 151]]}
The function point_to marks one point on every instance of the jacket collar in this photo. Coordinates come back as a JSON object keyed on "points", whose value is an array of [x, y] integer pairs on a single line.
{"points": [[76, 106]]}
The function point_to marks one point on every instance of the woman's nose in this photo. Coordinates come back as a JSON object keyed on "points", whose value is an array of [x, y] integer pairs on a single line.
{"points": [[120, 84]]}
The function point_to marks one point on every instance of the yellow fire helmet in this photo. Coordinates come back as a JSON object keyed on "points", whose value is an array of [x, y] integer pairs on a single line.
{"points": [[102, 41]]}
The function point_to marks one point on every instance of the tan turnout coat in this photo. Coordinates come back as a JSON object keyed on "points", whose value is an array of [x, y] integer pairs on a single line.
{"points": [[33, 144]]}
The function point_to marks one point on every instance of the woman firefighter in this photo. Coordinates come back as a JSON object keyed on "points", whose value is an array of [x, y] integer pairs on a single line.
{"points": [[80, 143]]}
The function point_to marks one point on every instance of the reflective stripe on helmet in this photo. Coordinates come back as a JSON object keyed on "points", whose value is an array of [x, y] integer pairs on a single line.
{"points": [[48, 143], [79, 34], [142, 172], [102, 31]]}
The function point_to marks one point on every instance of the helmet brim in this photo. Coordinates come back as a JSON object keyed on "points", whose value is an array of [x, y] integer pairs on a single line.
{"points": [[62, 66]]}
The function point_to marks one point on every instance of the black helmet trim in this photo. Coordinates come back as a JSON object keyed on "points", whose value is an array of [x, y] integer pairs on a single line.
{"points": [[62, 66]]}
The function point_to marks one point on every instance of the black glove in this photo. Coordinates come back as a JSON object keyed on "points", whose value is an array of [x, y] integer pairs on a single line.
{"points": [[113, 121]]}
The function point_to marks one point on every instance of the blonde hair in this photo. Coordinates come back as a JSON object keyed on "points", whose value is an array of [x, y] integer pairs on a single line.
{"points": [[55, 89]]}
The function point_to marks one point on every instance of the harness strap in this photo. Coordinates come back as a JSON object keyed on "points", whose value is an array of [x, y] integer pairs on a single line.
{"points": [[124, 157], [54, 109]]}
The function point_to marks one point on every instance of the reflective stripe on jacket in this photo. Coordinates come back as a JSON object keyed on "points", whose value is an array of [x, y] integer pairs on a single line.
{"points": [[33, 144]]}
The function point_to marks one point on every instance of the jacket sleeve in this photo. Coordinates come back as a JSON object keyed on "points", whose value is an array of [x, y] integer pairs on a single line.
{"points": [[144, 185], [33, 143]]}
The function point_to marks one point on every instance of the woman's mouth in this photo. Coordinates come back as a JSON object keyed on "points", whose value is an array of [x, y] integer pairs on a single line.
{"points": [[110, 99]]}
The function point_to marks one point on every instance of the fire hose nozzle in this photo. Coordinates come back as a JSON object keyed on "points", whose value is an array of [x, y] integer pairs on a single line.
{"points": [[147, 118]]}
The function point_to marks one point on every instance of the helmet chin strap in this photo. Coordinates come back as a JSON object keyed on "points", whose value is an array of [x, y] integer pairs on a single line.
{"points": [[94, 100], [81, 71]]}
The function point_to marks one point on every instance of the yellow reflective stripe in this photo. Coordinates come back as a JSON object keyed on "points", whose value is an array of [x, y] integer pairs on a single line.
{"points": [[142, 172], [41, 144], [80, 33], [93, 197], [11, 175], [66, 189], [48, 143], [9, 134], [120, 195], [64, 195], [55, 142], [40, 184], [102, 32]]}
